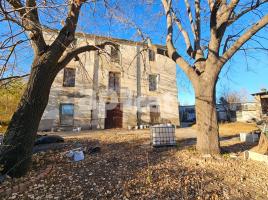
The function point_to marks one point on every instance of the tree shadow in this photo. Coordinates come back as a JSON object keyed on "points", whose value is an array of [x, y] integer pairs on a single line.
{"points": [[238, 147]]}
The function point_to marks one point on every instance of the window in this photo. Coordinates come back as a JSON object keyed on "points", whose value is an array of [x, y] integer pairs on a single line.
{"points": [[69, 77], [151, 55], [66, 113], [114, 82], [115, 54], [153, 82]]}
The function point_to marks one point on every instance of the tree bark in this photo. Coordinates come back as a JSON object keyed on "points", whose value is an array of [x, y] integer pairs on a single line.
{"points": [[206, 118], [21, 133], [263, 144]]}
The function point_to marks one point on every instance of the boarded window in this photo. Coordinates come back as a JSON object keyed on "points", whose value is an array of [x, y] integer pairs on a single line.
{"points": [[66, 114], [151, 55], [153, 82], [114, 81], [69, 77], [115, 54]]}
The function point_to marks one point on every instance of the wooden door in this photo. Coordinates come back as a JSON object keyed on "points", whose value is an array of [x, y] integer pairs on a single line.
{"points": [[114, 116], [154, 114]]}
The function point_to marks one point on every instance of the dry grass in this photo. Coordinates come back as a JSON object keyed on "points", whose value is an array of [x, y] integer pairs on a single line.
{"points": [[234, 128], [127, 167]]}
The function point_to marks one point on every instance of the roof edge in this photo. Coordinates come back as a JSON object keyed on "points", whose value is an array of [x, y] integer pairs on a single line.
{"points": [[94, 36]]}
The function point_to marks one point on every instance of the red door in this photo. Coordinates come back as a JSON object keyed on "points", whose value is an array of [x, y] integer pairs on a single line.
{"points": [[114, 116]]}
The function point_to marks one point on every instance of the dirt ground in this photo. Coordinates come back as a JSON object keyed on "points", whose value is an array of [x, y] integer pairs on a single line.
{"points": [[127, 167]]}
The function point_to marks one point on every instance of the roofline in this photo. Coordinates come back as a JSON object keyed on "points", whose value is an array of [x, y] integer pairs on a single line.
{"points": [[118, 40], [259, 93]]}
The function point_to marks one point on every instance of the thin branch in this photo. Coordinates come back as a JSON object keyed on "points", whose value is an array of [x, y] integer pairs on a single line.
{"points": [[190, 16], [172, 53], [75, 52], [244, 38], [243, 12], [13, 77], [185, 35]]}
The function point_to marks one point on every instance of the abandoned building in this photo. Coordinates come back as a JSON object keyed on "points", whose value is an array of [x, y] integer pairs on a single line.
{"points": [[118, 87], [241, 112], [262, 103]]}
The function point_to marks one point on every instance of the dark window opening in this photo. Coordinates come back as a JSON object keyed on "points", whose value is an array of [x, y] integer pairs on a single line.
{"points": [[69, 77], [115, 54], [66, 114], [153, 82], [114, 82], [151, 55]]}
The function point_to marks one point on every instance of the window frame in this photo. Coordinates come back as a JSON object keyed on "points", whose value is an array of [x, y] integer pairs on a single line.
{"points": [[151, 55], [115, 51], [60, 113], [66, 78], [157, 79]]}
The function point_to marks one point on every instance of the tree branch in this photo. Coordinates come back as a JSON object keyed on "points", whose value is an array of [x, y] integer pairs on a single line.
{"points": [[244, 38], [13, 77], [67, 33], [210, 4], [190, 16], [185, 36], [172, 53], [31, 22], [75, 52], [243, 12], [199, 52]]}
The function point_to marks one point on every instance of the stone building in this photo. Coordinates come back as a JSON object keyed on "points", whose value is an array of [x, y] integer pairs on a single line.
{"points": [[116, 88], [262, 103]]}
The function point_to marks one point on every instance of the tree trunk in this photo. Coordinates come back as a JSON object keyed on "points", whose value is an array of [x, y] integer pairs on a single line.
{"points": [[21, 133], [206, 118], [263, 144]]}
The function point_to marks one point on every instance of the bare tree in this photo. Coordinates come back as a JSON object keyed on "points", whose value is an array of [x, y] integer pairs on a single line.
{"points": [[203, 63], [48, 60]]}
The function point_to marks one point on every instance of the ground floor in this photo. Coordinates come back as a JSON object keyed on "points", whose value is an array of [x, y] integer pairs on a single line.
{"points": [[106, 113], [127, 167]]}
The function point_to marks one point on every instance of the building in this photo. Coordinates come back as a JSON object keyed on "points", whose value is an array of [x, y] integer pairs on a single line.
{"points": [[124, 86], [262, 103], [241, 112]]}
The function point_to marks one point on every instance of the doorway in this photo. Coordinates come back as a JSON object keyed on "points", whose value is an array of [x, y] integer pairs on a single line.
{"points": [[154, 114], [114, 115]]}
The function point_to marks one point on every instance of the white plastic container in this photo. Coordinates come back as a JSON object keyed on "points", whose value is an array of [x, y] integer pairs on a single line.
{"points": [[249, 137], [163, 135]]}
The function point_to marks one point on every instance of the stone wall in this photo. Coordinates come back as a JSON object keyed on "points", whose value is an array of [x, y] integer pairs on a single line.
{"points": [[90, 93]]}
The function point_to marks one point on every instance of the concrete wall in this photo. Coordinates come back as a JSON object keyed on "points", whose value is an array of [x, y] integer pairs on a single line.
{"points": [[90, 93]]}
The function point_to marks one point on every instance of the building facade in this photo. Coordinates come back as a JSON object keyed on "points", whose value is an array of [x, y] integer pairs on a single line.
{"points": [[123, 85], [241, 112]]}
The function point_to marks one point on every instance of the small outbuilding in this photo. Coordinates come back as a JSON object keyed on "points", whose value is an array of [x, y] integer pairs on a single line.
{"points": [[262, 102]]}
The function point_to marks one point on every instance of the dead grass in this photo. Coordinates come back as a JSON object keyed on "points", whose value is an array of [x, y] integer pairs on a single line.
{"points": [[129, 168], [234, 128]]}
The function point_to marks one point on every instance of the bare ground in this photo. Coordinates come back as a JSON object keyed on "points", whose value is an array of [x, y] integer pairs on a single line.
{"points": [[128, 168]]}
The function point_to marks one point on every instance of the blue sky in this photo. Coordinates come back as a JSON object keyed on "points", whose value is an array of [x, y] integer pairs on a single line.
{"points": [[241, 73]]}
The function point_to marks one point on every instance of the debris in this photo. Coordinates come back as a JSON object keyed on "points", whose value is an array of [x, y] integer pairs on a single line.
{"points": [[251, 155], [77, 129], [78, 156], [92, 150], [49, 139]]}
